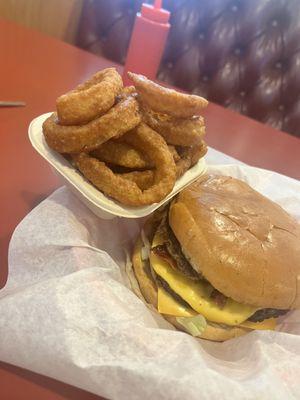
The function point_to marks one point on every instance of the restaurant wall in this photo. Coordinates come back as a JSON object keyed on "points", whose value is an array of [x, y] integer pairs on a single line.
{"points": [[58, 18]]}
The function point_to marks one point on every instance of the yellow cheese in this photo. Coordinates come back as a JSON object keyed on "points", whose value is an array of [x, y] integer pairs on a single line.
{"points": [[166, 304], [197, 294], [268, 324]]}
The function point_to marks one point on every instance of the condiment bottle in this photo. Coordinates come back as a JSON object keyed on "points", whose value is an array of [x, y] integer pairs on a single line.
{"points": [[148, 41]]}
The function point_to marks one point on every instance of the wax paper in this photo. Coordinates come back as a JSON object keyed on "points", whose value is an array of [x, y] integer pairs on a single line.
{"points": [[68, 312]]}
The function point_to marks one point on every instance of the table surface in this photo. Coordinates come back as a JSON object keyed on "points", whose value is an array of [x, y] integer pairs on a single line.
{"points": [[36, 69]]}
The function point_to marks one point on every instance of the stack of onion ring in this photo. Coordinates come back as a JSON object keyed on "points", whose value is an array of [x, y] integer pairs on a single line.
{"points": [[131, 143]]}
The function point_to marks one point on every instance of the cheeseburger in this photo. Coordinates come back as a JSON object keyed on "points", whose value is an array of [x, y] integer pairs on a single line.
{"points": [[220, 260]]}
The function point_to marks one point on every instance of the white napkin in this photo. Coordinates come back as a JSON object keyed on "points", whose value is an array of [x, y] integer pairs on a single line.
{"points": [[67, 312]]}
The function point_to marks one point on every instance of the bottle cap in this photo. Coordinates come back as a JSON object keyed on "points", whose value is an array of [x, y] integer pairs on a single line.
{"points": [[155, 13]]}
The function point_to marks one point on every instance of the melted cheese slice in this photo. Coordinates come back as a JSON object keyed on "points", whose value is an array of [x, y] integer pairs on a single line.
{"points": [[168, 305], [197, 294]]}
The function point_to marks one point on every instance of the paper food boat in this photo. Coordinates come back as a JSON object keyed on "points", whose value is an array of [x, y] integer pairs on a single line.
{"points": [[103, 206]]}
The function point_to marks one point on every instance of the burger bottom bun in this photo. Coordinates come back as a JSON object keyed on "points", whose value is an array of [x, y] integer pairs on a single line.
{"points": [[149, 291]]}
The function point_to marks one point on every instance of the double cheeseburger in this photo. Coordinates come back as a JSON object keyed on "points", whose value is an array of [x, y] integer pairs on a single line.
{"points": [[220, 260]]}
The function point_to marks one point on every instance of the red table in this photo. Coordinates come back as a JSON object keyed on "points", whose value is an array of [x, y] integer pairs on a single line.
{"points": [[36, 68]]}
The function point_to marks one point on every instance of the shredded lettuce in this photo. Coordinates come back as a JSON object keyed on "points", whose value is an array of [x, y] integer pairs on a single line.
{"points": [[194, 325], [145, 251]]}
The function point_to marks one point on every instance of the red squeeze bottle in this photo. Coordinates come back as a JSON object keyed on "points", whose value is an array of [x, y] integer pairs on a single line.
{"points": [[147, 42]]}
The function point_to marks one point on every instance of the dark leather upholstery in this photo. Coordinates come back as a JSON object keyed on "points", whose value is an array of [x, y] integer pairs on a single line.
{"points": [[243, 54]]}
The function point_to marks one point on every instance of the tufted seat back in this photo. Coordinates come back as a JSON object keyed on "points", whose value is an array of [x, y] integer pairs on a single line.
{"points": [[242, 54]]}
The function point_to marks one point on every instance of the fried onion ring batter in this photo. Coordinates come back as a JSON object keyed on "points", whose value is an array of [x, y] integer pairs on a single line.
{"points": [[176, 131], [144, 179], [116, 152], [165, 100], [121, 118], [189, 157], [125, 191], [122, 154], [90, 99]]}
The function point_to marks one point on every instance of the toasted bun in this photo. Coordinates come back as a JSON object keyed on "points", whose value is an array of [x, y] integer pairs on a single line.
{"points": [[245, 245], [149, 291]]}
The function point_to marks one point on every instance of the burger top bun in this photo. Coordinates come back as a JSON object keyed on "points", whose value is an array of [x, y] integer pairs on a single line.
{"points": [[244, 244]]}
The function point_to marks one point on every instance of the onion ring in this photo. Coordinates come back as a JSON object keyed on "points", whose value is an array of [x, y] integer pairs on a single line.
{"points": [[189, 157], [127, 91], [121, 118], [121, 154], [116, 152], [125, 191], [144, 179], [165, 100], [90, 99], [176, 131], [174, 152]]}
